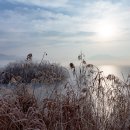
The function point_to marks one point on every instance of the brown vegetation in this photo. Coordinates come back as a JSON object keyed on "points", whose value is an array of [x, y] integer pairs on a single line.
{"points": [[100, 103], [25, 72]]}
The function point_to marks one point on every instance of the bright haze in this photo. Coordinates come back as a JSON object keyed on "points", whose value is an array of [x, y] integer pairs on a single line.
{"points": [[64, 28]]}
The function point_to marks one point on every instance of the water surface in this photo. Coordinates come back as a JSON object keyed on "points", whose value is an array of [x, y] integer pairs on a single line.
{"points": [[119, 71]]}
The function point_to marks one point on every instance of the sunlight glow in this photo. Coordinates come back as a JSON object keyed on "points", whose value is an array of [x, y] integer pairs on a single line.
{"points": [[106, 30]]}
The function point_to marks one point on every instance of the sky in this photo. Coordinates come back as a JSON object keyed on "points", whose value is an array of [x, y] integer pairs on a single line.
{"points": [[64, 28]]}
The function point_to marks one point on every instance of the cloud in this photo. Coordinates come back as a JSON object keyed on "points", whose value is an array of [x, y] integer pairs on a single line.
{"points": [[34, 24], [4, 57], [42, 3]]}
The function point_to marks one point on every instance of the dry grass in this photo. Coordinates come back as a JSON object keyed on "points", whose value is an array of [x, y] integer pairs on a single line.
{"points": [[20, 112], [60, 113], [100, 103]]}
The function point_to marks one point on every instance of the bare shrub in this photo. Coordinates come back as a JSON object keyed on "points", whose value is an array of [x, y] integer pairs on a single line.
{"points": [[23, 72]]}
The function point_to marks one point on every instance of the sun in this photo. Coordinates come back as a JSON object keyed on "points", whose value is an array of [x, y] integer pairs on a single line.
{"points": [[106, 30]]}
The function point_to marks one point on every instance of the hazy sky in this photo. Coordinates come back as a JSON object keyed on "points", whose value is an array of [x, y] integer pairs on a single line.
{"points": [[63, 28]]}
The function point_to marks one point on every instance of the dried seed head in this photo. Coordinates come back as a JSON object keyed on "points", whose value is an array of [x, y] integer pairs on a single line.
{"points": [[72, 66], [80, 57], [84, 62], [29, 56], [89, 66], [111, 77]]}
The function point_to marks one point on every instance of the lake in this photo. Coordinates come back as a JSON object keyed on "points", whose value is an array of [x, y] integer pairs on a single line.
{"points": [[119, 71]]}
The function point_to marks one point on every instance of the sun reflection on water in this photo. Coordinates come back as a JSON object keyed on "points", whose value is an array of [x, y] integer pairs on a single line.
{"points": [[118, 71]]}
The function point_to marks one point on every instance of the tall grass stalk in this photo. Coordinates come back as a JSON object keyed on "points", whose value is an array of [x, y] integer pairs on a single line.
{"points": [[100, 102]]}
